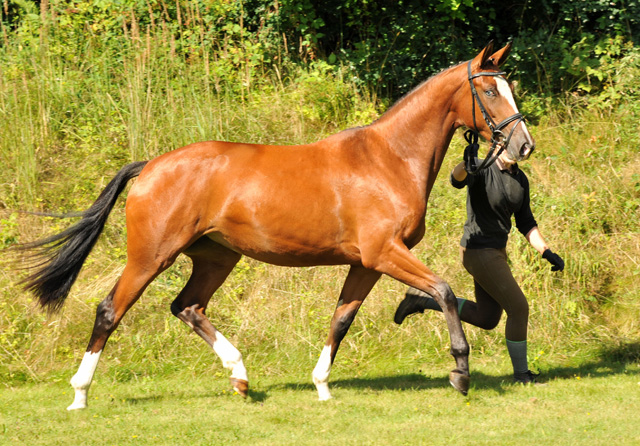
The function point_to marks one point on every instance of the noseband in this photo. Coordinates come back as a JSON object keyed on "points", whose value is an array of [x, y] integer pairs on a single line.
{"points": [[497, 137]]}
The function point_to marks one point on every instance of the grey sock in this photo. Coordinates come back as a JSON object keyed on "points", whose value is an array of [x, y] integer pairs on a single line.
{"points": [[518, 354]]}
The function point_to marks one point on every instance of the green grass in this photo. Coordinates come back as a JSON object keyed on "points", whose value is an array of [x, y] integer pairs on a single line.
{"points": [[374, 403], [69, 123]]}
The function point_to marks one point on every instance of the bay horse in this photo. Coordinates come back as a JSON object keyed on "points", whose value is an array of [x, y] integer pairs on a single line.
{"points": [[358, 197]]}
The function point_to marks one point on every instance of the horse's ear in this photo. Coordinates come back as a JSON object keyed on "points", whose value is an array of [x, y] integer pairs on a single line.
{"points": [[481, 59], [500, 56]]}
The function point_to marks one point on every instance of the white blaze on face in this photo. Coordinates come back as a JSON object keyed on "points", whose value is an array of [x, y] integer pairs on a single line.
{"points": [[505, 91]]}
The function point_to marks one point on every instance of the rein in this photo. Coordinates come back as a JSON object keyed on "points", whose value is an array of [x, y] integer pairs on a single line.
{"points": [[497, 136]]}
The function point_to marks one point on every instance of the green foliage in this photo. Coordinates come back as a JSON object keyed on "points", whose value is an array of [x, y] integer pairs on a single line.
{"points": [[86, 87], [8, 230], [97, 84], [394, 45], [389, 46]]}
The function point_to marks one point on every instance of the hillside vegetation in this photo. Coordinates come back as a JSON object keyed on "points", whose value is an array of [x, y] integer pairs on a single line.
{"points": [[81, 98]]}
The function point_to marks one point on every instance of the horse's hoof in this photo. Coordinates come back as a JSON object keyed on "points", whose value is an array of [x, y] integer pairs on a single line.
{"points": [[460, 381], [75, 406], [241, 386]]}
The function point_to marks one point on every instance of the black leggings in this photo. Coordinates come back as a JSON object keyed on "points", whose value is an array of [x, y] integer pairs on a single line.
{"points": [[495, 290]]}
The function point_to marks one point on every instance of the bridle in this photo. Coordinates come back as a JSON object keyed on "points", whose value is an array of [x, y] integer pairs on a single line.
{"points": [[497, 136]]}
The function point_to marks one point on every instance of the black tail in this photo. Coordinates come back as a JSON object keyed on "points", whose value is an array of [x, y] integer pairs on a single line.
{"points": [[60, 257]]}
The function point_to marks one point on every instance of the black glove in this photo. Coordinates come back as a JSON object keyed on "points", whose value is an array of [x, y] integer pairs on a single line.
{"points": [[554, 259], [471, 151]]}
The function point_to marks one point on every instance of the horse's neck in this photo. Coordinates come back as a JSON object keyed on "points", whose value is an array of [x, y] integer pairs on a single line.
{"points": [[419, 128]]}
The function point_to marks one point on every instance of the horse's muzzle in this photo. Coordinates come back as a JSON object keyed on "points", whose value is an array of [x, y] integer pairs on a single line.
{"points": [[527, 150], [520, 152], [521, 145]]}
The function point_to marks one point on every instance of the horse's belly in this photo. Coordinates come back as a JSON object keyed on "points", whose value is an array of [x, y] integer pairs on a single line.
{"points": [[288, 251]]}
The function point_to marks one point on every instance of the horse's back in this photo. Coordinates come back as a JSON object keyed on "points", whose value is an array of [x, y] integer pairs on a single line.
{"points": [[281, 204]]}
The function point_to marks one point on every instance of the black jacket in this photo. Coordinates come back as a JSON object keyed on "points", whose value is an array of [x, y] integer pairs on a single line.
{"points": [[493, 196]]}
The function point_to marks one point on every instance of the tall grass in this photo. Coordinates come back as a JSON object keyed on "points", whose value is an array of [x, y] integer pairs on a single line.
{"points": [[68, 125]]}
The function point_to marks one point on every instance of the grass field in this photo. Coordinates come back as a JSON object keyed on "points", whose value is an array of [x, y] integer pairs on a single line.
{"points": [[586, 404], [68, 123]]}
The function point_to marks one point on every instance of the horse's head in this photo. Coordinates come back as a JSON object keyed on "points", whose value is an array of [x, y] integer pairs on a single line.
{"points": [[488, 107]]}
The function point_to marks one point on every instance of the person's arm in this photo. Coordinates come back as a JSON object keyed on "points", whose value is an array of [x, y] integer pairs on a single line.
{"points": [[534, 237]]}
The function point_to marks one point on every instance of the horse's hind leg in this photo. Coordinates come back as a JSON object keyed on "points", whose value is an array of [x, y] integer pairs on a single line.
{"points": [[212, 263], [109, 313], [356, 288], [397, 261]]}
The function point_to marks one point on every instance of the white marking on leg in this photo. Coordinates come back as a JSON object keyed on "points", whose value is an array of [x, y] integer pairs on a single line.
{"points": [[230, 356], [82, 379], [321, 374]]}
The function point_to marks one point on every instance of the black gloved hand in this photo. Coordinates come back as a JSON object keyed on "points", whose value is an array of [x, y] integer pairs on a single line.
{"points": [[471, 151], [554, 259]]}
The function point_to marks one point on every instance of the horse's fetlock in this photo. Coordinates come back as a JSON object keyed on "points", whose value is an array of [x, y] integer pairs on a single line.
{"points": [[232, 359], [459, 349], [79, 382]]}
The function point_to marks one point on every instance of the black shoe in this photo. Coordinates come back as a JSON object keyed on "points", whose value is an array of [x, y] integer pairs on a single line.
{"points": [[411, 304], [527, 377]]}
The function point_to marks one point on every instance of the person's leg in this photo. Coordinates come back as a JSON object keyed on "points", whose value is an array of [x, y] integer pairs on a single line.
{"points": [[416, 301], [491, 272], [483, 313]]}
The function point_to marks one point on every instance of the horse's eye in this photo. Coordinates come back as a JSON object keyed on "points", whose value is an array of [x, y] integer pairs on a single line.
{"points": [[490, 93]]}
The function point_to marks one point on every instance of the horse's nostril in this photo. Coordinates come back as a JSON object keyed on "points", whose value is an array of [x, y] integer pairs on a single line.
{"points": [[527, 149]]}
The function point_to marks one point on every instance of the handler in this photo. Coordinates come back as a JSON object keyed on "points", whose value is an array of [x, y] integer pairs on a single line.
{"points": [[493, 196]]}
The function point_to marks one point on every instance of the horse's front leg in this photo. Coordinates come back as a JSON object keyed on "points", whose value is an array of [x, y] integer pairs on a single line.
{"points": [[356, 288], [396, 261]]}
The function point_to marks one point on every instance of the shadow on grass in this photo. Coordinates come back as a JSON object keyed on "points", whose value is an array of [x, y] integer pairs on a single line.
{"points": [[610, 360], [407, 382], [144, 399], [255, 396]]}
